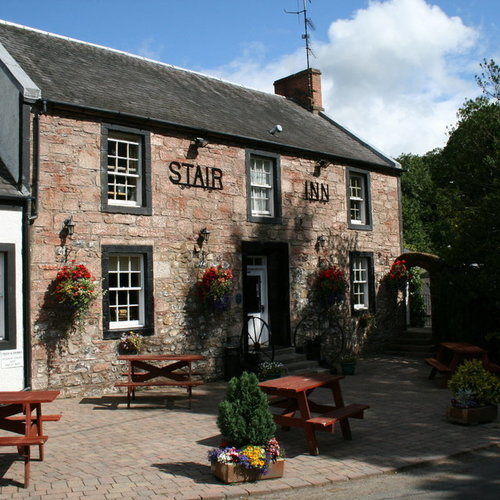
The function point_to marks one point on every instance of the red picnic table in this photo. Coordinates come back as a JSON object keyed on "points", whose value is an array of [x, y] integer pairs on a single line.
{"points": [[292, 395], [16, 415], [175, 371]]}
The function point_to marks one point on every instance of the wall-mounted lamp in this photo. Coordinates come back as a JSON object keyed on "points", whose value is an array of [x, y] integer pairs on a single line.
{"points": [[276, 130], [69, 226], [200, 142], [320, 166], [204, 235], [321, 241]]}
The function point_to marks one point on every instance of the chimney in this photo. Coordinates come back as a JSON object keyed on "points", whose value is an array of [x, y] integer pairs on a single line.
{"points": [[303, 87]]}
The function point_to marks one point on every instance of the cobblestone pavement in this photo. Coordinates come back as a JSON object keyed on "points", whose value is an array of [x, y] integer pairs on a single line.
{"points": [[158, 448]]}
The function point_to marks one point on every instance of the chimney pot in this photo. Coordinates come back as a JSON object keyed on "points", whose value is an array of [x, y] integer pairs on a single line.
{"points": [[303, 87]]}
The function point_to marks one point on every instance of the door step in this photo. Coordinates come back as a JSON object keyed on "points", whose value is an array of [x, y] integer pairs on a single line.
{"points": [[296, 363]]}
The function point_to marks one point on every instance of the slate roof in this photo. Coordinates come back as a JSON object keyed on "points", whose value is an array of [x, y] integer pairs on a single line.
{"points": [[82, 74]]}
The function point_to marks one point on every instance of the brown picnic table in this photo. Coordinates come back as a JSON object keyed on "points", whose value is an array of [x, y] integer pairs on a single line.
{"points": [[16, 415], [291, 394], [174, 371], [450, 355]]}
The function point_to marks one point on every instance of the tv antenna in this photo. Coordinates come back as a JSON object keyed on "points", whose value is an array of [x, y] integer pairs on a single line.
{"points": [[308, 24]]}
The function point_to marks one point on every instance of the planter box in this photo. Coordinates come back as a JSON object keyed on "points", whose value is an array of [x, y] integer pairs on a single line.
{"points": [[472, 416], [230, 473]]}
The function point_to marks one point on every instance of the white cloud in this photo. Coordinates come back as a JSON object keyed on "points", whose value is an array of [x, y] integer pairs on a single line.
{"points": [[149, 48], [393, 73]]}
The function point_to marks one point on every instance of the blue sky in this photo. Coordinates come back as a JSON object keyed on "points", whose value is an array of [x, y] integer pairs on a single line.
{"points": [[394, 71]]}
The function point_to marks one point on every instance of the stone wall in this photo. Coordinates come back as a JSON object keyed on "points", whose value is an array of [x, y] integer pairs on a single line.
{"points": [[81, 362]]}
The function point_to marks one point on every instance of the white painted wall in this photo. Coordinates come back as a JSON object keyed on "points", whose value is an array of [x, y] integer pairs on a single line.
{"points": [[11, 361]]}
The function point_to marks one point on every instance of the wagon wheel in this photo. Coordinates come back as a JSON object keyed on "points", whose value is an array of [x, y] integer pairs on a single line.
{"points": [[256, 341], [307, 328]]}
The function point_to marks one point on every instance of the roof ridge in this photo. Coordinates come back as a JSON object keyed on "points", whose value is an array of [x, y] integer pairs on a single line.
{"points": [[129, 54]]}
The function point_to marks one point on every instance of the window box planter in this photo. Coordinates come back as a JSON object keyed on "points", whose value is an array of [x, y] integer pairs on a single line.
{"points": [[472, 416], [234, 473]]}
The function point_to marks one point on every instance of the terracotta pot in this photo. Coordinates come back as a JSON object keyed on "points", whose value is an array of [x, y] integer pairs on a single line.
{"points": [[472, 416], [231, 473]]}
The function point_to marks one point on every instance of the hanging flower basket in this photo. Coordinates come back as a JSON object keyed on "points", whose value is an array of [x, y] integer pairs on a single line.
{"points": [[75, 288], [398, 275], [215, 288], [130, 343], [331, 286]]}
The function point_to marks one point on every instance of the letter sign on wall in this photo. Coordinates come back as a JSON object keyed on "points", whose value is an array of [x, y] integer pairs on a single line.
{"points": [[317, 191], [187, 174]]}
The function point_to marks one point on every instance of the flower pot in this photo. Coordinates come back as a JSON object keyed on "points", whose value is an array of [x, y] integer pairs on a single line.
{"points": [[348, 367], [233, 473], [472, 416]]}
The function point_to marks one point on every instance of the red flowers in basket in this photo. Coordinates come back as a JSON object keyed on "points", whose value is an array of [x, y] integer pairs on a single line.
{"points": [[331, 285], [75, 287], [215, 287], [399, 271]]}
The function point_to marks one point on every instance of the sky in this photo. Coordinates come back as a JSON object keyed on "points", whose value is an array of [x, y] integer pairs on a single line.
{"points": [[394, 71]]}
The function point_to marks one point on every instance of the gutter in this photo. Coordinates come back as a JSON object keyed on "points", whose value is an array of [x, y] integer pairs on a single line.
{"points": [[227, 136]]}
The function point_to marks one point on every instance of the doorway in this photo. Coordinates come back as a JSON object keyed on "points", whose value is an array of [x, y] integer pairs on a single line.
{"points": [[266, 292]]}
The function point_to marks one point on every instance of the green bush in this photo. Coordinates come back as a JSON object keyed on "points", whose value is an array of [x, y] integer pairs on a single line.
{"points": [[473, 379], [244, 416]]}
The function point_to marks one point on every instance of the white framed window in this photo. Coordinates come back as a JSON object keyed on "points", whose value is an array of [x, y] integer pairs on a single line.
{"points": [[124, 169], [262, 186], [126, 291], [357, 199], [360, 283], [3, 283]]}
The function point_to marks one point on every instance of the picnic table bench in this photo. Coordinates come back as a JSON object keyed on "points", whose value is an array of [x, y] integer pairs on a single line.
{"points": [[450, 355], [176, 373], [16, 416], [291, 394]]}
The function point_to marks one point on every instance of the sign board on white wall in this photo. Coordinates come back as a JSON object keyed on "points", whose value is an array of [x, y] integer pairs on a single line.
{"points": [[11, 359]]}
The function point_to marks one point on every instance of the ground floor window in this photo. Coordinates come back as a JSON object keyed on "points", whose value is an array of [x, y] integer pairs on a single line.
{"points": [[362, 285], [127, 303], [7, 296]]}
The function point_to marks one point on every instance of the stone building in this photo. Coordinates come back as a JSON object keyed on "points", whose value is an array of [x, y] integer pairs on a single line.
{"points": [[134, 162]]}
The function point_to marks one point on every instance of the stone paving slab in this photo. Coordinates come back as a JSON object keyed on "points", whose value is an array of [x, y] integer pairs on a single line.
{"points": [[158, 448]]}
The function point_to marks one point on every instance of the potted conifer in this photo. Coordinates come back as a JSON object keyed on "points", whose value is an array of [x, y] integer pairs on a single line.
{"points": [[251, 451], [476, 393]]}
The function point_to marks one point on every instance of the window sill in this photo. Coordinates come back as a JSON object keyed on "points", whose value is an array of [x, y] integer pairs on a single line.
{"points": [[116, 334], [265, 220], [125, 209], [360, 227]]}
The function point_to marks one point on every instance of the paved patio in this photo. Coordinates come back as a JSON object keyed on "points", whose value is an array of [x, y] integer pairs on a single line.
{"points": [[158, 448]]}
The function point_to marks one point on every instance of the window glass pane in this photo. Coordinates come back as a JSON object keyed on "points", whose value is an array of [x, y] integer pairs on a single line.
{"points": [[359, 272], [127, 301], [122, 149]]}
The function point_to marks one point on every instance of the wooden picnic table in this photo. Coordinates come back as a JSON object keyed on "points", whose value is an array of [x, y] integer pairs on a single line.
{"points": [[176, 371], [451, 355], [16, 415], [291, 394]]}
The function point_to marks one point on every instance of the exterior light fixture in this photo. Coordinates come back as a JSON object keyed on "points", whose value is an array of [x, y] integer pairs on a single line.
{"points": [[200, 142], [321, 240], [204, 235], [276, 130], [69, 225], [323, 163]]}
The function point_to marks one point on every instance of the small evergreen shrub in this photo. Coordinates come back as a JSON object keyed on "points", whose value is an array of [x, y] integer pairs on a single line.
{"points": [[244, 416], [474, 386]]}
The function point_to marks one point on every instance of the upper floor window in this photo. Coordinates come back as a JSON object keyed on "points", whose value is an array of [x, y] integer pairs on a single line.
{"points": [[126, 179], [7, 296], [358, 192], [124, 170], [263, 187], [127, 303]]}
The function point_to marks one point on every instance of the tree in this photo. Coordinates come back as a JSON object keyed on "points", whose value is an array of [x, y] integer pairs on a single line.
{"points": [[244, 417]]}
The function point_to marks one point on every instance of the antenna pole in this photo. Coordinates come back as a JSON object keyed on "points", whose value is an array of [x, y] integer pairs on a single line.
{"points": [[306, 34]]}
